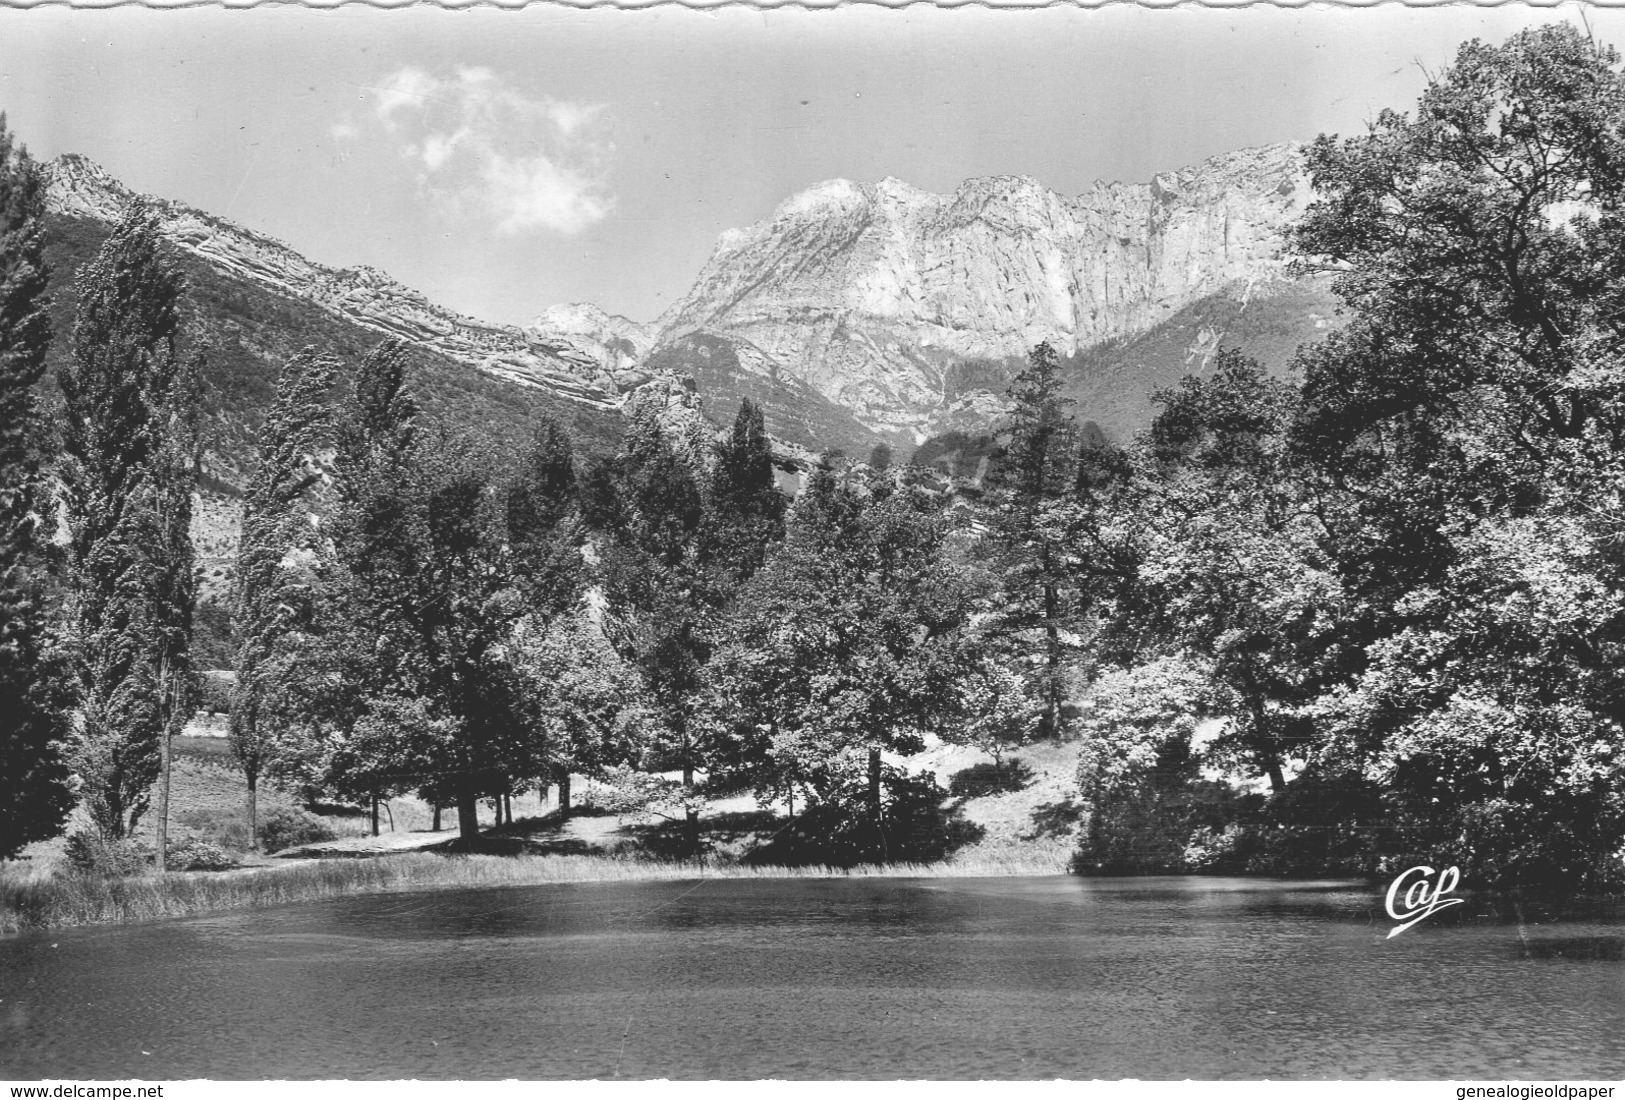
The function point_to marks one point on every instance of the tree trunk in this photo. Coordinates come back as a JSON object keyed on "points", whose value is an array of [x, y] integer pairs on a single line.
{"points": [[691, 818], [1277, 776], [162, 829], [874, 783], [563, 778], [375, 814], [253, 777], [436, 825], [468, 815], [507, 809], [1052, 656], [875, 804], [1264, 748]]}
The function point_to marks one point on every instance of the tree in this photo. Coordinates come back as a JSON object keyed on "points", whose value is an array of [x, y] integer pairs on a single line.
{"points": [[273, 580], [1467, 425], [544, 527], [131, 457], [579, 696], [1032, 513], [746, 509], [1233, 559], [34, 781], [844, 646], [418, 688], [648, 509], [999, 715]]}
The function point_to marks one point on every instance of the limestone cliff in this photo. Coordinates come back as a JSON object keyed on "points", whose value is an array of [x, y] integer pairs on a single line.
{"points": [[80, 188], [875, 294]]}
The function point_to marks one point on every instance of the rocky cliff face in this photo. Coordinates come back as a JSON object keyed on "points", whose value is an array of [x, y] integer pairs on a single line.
{"points": [[614, 343], [859, 312], [361, 295], [877, 295]]}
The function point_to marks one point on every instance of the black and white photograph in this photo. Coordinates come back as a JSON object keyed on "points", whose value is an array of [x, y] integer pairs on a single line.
{"points": [[920, 543]]}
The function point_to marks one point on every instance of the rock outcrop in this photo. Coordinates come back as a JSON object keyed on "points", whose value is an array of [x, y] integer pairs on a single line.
{"points": [[876, 294], [364, 295], [861, 312]]}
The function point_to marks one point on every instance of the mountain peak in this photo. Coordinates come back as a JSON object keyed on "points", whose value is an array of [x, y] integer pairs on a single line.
{"points": [[836, 196], [872, 293]]}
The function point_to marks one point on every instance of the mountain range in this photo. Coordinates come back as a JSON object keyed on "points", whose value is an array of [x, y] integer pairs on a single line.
{"points": [[855, 314]]}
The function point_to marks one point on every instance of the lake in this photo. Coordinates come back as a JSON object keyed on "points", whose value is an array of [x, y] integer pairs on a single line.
{"points": [[809, 978]]}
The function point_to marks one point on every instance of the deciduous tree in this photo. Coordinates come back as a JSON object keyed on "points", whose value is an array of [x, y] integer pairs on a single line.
{"points": [[34, 781], [274, 573], [131, 457]]}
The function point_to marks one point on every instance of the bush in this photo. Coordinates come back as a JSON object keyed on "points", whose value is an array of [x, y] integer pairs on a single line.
{"points": [[214, 692], [1323, 823], [199, 855], [225, 828], [93, 854], [840, 830], [1166, 824], [289, 828], [981, 780]]}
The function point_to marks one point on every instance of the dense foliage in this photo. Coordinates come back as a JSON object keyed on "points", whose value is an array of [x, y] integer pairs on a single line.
{"points": [[1392, 587], [34, 793], [1367, 615], [131, 452]]}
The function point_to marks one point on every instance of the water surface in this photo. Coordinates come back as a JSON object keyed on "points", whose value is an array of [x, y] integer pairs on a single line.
{"points": [[846, 978]]}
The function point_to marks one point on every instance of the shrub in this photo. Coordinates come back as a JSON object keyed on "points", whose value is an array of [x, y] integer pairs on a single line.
{"points": [[199, 855], [225, 828], [214, 692], [840, 831], [289, 828], [93, 854], [1323, 823]]}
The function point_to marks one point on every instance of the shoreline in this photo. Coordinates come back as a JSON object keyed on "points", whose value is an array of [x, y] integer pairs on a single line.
{"points": [[46, 900]]}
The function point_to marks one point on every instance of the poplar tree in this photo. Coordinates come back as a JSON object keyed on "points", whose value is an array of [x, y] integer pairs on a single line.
{"points": [[131, 454], [34, 794], [272, 598]]}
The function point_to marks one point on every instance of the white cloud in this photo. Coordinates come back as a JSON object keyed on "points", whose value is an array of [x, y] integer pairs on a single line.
{"points": [[343, 130], [482, 146]]}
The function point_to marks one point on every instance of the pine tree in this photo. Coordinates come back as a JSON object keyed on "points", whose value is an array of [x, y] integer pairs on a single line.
{"points": [[543, 527], [1036, 473], [131, 458], [747, 509], [271, 599], [34, 793]]}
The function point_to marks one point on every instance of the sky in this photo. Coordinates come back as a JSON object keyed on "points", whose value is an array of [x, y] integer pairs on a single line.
{"points": [[502, 161]]}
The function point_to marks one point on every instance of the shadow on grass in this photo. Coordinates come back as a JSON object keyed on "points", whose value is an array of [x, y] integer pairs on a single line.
{"points": [[980, 780], [920, 827], [721, 833], [1057, 819], [494, 844]]}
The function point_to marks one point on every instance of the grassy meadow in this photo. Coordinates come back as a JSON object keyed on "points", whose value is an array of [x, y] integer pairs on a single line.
{"points": [[1021, 819]]}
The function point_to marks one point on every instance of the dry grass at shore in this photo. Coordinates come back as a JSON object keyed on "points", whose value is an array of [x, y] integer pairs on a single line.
{"points": [[1024, 828], [35, 898]]}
